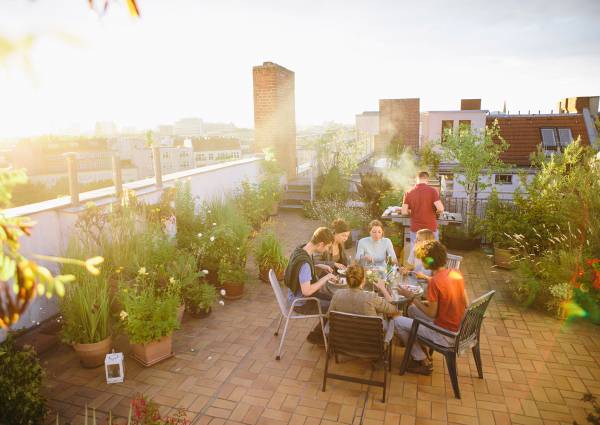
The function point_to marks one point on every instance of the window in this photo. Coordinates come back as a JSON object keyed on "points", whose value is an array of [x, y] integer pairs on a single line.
{"points": [[556, 139], [447, 125], [464, 125], [503, 179]]}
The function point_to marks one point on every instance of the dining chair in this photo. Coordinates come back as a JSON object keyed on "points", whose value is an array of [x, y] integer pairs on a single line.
{"points": [[453, 261], [466, 337], [287, 311]]}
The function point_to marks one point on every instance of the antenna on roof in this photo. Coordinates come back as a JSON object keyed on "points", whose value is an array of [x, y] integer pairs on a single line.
{"points": [[519, 112], [539, 112], [529, 112], [551, 111]]}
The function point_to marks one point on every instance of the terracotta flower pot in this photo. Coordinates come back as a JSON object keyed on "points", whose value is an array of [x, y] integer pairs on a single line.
{"points": [[233, 291], [153, 352], [92, 355], [503, 258]]}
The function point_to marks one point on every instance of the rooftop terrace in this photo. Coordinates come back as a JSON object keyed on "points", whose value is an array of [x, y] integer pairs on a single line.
{"points": [[536, 368]]}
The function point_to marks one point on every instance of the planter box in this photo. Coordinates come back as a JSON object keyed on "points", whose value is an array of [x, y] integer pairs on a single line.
{"points": [[461, 243], [200, 314], [153, 352], [92, 355], [503, 258]]}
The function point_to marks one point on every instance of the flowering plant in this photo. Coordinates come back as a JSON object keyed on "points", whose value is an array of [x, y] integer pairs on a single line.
{"points": [[145, 412]]}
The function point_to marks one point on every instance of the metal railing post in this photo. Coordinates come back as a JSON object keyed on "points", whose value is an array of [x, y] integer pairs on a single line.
{"points": [[73, 181], [157, 168], [117, 175]]}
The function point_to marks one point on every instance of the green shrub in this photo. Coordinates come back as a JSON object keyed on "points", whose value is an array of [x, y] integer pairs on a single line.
{"points": [[231, 273], [199, 296], [268, 251], [21, 398], [147, 315], [372, 188], [327, 210], [332, 185]]}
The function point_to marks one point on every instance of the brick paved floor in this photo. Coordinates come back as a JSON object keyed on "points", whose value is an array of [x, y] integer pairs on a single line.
{"points": [[224, 372]]}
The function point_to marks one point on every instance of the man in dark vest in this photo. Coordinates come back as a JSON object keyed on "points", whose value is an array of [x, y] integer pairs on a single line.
{"points": [[301, 278]]}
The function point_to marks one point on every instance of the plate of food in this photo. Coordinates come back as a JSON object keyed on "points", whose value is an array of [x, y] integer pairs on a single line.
{"points": [[415, 289], [337, 283], [342, 272]]}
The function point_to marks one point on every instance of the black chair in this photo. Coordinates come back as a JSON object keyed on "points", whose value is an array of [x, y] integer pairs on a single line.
{"points": [[466, 337], [362, 337]]}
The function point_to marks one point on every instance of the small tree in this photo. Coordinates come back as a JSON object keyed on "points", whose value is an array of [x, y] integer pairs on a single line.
{"points": [[430, 159], [394, 150], [476, 154]]}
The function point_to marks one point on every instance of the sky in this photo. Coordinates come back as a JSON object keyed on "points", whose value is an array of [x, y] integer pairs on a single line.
{"points": [[194, 58]]}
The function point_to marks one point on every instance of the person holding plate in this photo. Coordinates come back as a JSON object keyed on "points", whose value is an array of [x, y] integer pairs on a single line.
{"points": [[375, 249], [445, 306]]}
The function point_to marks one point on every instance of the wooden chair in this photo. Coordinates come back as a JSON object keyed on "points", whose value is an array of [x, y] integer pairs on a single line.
{"points": [[453, 262], [466, 337], [287, 311], [362, 337]]}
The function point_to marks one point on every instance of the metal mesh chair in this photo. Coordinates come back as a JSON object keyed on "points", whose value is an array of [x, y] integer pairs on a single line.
{"points": [[466, 337], [287, 311], [453, 262], [362, 337]]}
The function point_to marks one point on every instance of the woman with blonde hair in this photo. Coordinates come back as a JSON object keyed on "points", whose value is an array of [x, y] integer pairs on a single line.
{"points": [[415, 264]]}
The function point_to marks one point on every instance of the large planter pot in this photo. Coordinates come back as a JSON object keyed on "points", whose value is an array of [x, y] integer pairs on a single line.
{"points": [[153, 352], [263, 274], [92, 355], [464, 244], [180, 312], [503, 258], [233, 291]]}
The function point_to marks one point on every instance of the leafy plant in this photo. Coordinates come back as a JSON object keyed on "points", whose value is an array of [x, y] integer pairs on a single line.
{"points": [[333, 185], [250, 201], [147, 315], [476, 155], [392, 198], [594, 417], [199, 296], [327, 210], [430, 158], [21, 400], [231, 273], [268, 252], [501, 221], [372, 188], [187, 222]]}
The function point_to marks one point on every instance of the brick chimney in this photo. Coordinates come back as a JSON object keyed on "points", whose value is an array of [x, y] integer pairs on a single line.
{"points": [[470, 104], [577, 104]]}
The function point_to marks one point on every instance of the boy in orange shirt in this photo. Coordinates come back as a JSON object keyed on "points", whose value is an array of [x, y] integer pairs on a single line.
{"points": [[445, 306]]}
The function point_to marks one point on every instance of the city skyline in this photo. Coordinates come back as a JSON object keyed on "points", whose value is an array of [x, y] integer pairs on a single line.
{"points": [[190, 59]]}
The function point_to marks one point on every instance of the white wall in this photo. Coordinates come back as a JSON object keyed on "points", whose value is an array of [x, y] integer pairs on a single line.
{"points": [[49, 180], [56, 218], [431, 122], [505, 191], [367, 123]]}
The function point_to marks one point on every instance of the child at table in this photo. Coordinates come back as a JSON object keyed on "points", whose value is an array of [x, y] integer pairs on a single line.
{"points": [[413, 263]]}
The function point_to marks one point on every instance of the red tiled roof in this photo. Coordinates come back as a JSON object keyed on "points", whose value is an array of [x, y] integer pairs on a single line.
{"points": [[523, 132]]}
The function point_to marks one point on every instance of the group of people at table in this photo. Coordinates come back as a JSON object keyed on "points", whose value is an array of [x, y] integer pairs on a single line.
{"points": [[445, 298]]}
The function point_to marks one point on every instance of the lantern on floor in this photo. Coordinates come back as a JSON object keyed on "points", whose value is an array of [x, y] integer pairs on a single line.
{"points": [[115, 370]]}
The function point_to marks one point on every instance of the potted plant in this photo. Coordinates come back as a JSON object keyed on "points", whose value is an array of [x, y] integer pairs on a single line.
{"points": [[268, 254], [86, 312], [232, 277], [372, 188], [149, 319], [500, 223], [199, 298]]}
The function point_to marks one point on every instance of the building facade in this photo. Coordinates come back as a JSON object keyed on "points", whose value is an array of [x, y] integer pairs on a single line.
{"points": [[398, 119], [275, 113], [189, 127]]}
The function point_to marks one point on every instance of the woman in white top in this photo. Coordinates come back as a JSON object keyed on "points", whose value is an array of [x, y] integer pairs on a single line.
{"points": [[375, 249]]}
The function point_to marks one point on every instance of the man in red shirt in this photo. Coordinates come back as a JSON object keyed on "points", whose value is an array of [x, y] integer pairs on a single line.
{"points": [[423, 204], [445, 306]]}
